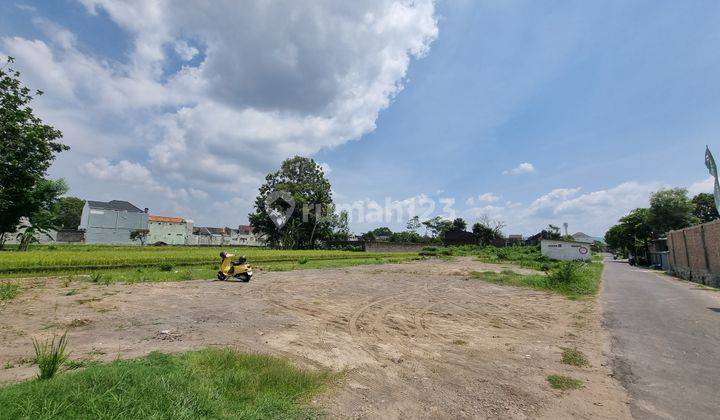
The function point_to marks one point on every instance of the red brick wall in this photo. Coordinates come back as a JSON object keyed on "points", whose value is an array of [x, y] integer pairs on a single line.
{"points": [[712, 242], [700, 261]]}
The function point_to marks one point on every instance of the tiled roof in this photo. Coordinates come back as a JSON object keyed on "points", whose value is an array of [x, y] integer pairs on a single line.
{"points": [[166, 219], [245, 229], [117, 205]]}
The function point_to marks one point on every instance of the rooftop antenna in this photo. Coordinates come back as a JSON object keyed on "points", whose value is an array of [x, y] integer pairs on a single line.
{"points": [[565, 225]]}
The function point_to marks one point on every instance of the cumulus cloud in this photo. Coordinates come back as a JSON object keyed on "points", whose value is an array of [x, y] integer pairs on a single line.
{"points": [[592, 212], [482, 198], [260, 81], [523, 168], [704, 186]]}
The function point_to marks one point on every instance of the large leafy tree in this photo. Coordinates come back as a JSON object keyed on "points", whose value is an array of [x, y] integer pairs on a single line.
{"points": [[68, 211], [484, 233], [671, 209], [705, 209], [437, 226], [459, 224], [27, 147], [312, 219], [631, 233]]}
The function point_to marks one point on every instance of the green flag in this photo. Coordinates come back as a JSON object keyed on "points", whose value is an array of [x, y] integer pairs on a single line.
{"points": [[710, 163]]}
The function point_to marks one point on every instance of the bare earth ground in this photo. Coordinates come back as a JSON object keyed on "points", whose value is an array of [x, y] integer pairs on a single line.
{"points": [[415, 340]]}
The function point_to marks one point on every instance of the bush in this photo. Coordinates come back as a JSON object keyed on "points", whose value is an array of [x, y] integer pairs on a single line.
{"points": [[96, 277], [303, 260], [166, 267], [430, 248], [566, 272], [50, 355]]}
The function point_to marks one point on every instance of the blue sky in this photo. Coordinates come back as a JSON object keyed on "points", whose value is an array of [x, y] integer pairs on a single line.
{"points": [[598, 104]]}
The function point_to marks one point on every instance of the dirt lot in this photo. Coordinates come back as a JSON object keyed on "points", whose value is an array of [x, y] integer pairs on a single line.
{"points": [[416, 340]]}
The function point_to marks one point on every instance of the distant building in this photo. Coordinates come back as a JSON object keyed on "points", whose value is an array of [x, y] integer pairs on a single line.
{"points": [[515, 240], [244, 235], [169, 230], [111, 222], [248, 236], [537, 238]]}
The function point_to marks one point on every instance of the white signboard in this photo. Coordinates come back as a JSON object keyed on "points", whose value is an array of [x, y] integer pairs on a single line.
{"points": [[565, 250]]}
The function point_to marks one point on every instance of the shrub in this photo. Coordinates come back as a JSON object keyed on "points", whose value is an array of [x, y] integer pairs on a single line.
{"points": [[166, 267], [50, 355], [96, 277], [430, 248], [303, 260], [566, 272]]}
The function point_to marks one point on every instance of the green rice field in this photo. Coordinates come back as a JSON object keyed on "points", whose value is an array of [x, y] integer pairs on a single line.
{"points": [[72, 258]]}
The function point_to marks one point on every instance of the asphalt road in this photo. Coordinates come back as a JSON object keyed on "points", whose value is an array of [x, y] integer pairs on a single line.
{"points": [[665, 342]]}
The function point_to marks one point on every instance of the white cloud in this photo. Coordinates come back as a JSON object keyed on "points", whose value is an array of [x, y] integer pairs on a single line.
{"points": [[276, 79], [523, 168], [482, 198], [592, 212], [704, 186], [186, 51], [123, 171]]}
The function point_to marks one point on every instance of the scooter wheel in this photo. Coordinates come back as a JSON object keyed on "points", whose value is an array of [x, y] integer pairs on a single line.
{"points": [[243, 277], [221, 276]]}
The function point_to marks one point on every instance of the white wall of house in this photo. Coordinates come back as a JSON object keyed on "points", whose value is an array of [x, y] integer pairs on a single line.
{"points": [[170, 233]]}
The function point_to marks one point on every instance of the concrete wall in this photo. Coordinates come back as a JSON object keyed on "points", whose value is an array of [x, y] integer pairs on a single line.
{"points": [[694, 253], [565, 250], [168, 232], [393, 247], [111, 226]]}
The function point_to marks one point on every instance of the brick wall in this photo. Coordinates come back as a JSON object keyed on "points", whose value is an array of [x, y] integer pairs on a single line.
{"points": [[694, 253]]}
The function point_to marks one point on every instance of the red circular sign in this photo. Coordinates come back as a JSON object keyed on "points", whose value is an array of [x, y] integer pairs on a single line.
{"points": [[583, 250]]}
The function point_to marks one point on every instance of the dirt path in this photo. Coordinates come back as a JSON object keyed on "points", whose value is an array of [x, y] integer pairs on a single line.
{"points": [[416, 340]]}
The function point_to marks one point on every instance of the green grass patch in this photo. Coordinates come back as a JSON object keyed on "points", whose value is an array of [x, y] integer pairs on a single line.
{"points": [[574, 357], [582, 279], [9, 290], [564, 382], [211, 383]]}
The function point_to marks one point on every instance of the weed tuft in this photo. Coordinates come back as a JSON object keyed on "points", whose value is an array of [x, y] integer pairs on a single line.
{"points": [[564, 382], [9, 290], [50, 355], [574, 357], [96, 277], [303, 260], [166, 267]]}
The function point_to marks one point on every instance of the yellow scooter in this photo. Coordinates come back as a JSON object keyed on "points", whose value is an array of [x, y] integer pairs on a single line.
{"points": [[239, 269]]}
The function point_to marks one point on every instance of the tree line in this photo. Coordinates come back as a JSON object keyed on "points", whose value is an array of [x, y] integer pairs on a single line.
{"points": [[669, 209]]}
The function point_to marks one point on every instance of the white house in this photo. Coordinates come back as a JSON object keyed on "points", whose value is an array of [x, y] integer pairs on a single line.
{"points": [[168, 230]]}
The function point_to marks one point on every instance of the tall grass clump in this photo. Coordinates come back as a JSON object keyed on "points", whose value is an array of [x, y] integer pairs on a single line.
{"points": [[50, 355], [205, 384]]}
